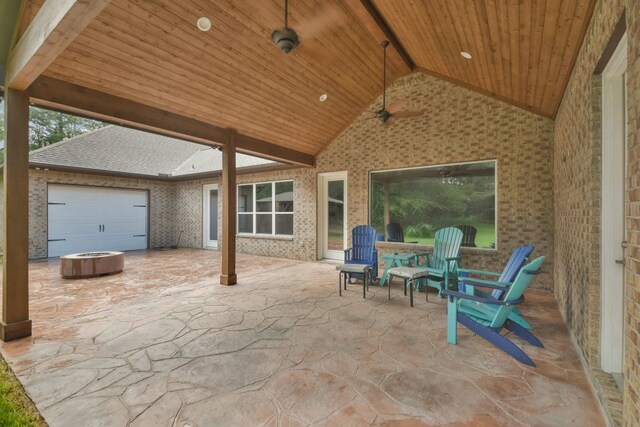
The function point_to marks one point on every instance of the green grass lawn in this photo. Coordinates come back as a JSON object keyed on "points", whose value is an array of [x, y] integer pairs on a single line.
{"points": [[16, 409], [484, 238]]}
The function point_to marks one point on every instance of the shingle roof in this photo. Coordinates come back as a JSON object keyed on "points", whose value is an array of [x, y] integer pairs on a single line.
{"points": [[129, 151]]}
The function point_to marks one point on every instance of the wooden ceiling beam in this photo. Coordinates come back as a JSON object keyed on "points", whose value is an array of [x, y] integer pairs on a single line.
{"points": [[369, 16], [71, 98], [54, 27]]}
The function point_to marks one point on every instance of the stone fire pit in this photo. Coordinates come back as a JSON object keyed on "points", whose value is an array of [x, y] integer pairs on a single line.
{"points": [[90, 264]]}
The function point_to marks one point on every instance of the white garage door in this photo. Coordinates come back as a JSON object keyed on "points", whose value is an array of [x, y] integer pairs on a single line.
{"points": [[83, 219]]}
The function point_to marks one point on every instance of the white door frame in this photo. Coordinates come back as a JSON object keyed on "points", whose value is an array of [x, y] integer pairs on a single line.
{"points": [[612, 230], [206, 189], [323, 218]]}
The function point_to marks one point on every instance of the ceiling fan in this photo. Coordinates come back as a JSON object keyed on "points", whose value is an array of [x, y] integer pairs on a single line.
{"points": [[395, 110], [287, 39]]}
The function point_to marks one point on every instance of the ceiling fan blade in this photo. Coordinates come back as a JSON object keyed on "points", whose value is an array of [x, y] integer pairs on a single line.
{"points": [[397, 106], [329, 17], [407, 114]]}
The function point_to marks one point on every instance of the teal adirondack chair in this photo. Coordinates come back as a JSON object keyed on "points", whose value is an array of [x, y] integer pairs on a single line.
{"points": [[471, 311], [443, 262], [467, 283]]}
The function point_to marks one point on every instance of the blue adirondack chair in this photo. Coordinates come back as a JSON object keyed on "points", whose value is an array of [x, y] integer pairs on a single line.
{"points": [[469, 310], [443, 262], [467, 284], [362, 250]]}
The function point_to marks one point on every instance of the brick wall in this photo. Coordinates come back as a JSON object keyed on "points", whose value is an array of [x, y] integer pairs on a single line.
{"points": [[577, 187], [188, 210], [458, 126], [160, 205]]}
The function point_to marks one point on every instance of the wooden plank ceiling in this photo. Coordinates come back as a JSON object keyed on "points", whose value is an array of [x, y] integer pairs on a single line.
{"points": [[151, 52], [523, 50]]}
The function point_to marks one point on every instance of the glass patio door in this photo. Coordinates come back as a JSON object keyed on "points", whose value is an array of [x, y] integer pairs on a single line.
{"points": [[333, 214]]}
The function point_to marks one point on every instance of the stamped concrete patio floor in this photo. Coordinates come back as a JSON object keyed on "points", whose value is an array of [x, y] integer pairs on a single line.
{"points": [[164, 344]]}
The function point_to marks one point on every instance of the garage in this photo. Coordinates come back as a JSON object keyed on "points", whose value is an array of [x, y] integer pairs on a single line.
{"points": [[82, 219]]}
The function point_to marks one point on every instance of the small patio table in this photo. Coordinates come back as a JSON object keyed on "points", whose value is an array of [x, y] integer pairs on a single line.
{"points": [[409, 275], [345, 269], [395, 260]]}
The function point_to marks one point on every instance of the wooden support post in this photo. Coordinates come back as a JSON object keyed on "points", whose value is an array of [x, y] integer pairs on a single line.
{"points": [[387, 213], [15, 267], [229, 203]]}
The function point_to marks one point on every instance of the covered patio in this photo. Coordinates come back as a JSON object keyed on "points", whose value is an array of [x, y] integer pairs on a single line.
{"points": [[159, 345], [547, 91]]}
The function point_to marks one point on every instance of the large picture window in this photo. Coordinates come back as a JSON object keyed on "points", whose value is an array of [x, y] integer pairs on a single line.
{"points": [[266, 208], [417, 202]]}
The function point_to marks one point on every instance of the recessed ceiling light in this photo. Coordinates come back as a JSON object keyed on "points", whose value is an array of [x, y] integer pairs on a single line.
{"points": [[323, 97], [466, 55], [204, 23]]}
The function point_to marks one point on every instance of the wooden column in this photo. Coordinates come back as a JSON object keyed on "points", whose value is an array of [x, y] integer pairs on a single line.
{"points": [[229, 215], [387, 214], [15, 267]]}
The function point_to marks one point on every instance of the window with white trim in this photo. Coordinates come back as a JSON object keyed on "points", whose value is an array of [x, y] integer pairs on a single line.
{"points": [[266, 208]]}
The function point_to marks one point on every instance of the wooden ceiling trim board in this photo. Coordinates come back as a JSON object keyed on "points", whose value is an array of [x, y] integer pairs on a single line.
{"points": [[52, 93], [221, 61], [497, 96], [560, 42], [114, 79], [54, 27], [549, 34], [561, 85], [536, 51], [388, 33]]}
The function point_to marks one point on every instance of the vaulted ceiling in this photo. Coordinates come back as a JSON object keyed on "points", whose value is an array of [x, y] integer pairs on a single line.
{"points": [[151, 52]]}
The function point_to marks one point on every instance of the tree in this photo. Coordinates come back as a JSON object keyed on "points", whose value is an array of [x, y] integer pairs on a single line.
{"points": [[47, 127]]}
